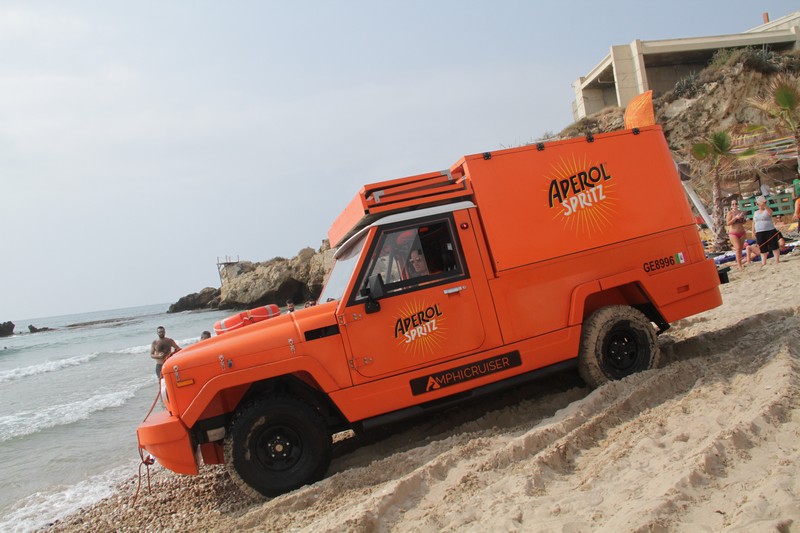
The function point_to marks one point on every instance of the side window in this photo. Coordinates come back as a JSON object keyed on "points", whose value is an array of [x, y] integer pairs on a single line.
{"points": [[413, 255]]}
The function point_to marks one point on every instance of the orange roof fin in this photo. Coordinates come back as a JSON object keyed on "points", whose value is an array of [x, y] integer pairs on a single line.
{"points": [[639, 112]]}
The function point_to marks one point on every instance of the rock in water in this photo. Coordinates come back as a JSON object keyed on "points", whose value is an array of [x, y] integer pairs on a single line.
{"points": [[205, 299], [6, 329]]}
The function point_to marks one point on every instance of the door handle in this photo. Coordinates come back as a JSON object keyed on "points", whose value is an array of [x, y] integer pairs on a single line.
{"points": [[454, 290]]}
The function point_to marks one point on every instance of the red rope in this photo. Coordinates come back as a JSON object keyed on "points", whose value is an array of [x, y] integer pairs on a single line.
{"points": [[765, 242], [146, 461]]}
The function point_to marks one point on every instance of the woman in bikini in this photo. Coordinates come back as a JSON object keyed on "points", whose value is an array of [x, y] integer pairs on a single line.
{"points": [[736, 232]]}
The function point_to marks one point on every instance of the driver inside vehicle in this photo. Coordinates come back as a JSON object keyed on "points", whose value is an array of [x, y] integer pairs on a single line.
{"points": [[419, 266]]}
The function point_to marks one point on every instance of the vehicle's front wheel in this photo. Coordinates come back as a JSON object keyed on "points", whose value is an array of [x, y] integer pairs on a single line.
{"points": [[276, 445], [616, 341]]}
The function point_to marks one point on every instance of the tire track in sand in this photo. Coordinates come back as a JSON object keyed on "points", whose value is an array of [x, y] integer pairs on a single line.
{"points": [[615, 436]]}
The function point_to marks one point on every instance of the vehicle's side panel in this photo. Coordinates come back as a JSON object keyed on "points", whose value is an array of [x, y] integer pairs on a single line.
{"points": [[483, 248], [537, 299], [577, 302], [688, 294], [474, 246], [451, 377], [294, 365]]}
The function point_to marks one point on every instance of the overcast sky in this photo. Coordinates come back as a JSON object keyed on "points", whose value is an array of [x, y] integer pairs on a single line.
{"points": [[140, 141]]}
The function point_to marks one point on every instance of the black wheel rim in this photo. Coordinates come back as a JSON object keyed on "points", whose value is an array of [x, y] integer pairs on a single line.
{"points": [[279, 448], [622, 352]]}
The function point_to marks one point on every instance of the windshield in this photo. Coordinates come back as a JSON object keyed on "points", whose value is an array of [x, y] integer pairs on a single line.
{"points": [[342, 271]]}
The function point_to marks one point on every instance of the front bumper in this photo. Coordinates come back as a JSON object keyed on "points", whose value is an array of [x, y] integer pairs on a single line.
{"points": [[166, 438]]}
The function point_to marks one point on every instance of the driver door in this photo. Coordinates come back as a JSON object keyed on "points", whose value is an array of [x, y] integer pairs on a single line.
{"points": [[428, 312]]}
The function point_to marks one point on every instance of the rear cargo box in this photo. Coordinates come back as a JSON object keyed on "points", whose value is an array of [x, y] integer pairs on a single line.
{"points": [[555, 199]]}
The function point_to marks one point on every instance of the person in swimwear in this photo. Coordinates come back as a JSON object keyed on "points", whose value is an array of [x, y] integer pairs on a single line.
{"points": [[736, 232], [766, 233], [162, 348]]}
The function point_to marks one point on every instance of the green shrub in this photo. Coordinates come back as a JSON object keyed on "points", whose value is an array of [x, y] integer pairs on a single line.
{"points": [[790, 61], [686, 87], [721, 57], [760, 59]]}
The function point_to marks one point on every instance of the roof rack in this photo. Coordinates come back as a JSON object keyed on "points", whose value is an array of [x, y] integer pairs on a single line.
{"points": [[379, 199]]}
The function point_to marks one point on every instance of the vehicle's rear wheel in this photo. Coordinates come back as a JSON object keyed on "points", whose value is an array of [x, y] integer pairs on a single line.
{"points": [[616, 341], [276, 445]]}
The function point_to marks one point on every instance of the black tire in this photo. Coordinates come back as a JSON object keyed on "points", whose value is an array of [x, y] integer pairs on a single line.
{"points": [[616, 341], [276, 445]]}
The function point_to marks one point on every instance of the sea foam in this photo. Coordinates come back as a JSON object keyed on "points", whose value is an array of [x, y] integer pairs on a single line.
{"points": [[41, 509], [28, 422], [43, 368], [133, 349]]}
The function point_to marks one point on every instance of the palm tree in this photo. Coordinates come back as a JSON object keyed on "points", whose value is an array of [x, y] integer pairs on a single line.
{"points": [[713, 151], [783, 104]]}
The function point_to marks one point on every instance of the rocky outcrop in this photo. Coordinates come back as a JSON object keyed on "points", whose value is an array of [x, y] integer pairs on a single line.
{"points": [[299, 279], [247, 284], [208, 298], [34, 329], [6, 329], [714, 99]]}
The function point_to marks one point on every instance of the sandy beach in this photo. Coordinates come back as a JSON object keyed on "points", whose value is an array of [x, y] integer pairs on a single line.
{"points": [[708, 442]]}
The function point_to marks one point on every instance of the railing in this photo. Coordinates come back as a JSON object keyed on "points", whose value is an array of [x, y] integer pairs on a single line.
{"points": [[222, 266], [781, 204]]}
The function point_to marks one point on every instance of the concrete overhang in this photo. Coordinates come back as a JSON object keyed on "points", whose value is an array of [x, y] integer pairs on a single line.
{"points": [[688, 50], [672, 51], [602, 74]]}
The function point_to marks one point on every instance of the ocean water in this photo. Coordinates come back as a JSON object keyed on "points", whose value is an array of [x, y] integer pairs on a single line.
{"points": [[70, 401]]}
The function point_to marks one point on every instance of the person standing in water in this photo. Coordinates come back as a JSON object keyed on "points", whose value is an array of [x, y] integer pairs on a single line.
{"points": [[162, 348]]}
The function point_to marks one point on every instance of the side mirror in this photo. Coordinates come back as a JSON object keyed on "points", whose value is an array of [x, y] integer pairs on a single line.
{"points": [[374, 291]]}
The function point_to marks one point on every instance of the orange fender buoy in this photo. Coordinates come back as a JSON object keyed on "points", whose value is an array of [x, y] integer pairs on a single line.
{"points": [[245, 318]]}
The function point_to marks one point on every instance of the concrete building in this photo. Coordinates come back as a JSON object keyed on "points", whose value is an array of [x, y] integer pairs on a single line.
{"points": [[631, 69]]}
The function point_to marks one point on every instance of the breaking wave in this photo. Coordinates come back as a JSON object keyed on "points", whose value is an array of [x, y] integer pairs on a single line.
{"points": [[29, 422], [134, 349], [43, 368]]}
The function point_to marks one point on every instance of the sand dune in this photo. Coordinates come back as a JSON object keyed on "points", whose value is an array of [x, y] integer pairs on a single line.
{"points": [[708, 442]]}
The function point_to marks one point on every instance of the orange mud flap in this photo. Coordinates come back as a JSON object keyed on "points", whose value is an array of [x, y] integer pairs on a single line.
{"points": [[166, 438], [212, 453]]}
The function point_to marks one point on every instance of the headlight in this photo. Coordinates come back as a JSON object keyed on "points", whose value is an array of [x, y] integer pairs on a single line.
{"points": [[164, 397]]}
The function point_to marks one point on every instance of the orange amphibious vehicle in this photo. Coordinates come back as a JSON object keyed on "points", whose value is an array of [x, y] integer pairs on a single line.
{"points": [[506, 267]]}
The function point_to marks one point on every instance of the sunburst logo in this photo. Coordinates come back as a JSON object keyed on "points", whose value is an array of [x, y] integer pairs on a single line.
{"points": [[582, 194], [419, 328]]}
